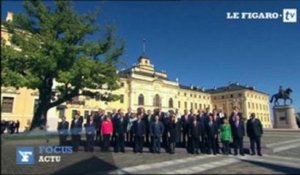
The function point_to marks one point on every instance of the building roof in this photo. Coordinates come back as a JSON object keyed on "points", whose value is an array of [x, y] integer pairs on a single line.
{"points": [[192, 88], [233, 87], [125, 73], [143, 56]]}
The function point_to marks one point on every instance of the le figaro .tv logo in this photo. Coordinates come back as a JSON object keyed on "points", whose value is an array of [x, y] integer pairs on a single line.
{"points": [[289, 15], [25, 155]]}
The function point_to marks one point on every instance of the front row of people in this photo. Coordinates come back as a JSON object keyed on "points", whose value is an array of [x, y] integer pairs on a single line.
{"points": [[203, 133]]}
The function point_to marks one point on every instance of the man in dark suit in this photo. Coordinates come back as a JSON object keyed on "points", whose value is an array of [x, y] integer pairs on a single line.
{"points": [[147, 119], [121, 128], [139, 130], [114, 117], [217, 119], [254, 132], [194, 136], [211, 134], [238, 133], [173, 132], [76, 127], [17, 126], [233, 115], [164, 118], [80, 116], [97, 120], [156, 130], [185, 122], [203, 140], [63, 128], [129, 134], [90, 129]]}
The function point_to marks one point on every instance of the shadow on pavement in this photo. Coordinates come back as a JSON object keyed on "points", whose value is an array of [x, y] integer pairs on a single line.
{"points": [[277, 168], [92, 165]]}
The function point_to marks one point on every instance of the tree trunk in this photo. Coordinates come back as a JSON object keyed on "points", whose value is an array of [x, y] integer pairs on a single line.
{"points": [[40, 115]]}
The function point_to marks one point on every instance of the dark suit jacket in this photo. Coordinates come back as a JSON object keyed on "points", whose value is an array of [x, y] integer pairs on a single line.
{"points": [[97, 119], [90, 128], [174, 131], [254, 128], [156, 129], [211, 130], [195, 131], [185, 123], [139, 128], [63, 128], [121, 126], [238, 132], [76, 127]]}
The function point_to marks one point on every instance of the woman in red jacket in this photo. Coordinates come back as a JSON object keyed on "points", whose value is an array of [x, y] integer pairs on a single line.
{"points": [[106, 132]]}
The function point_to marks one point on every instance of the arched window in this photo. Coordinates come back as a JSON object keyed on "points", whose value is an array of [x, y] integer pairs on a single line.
{"points": [[170, 103], [141, 100], [156, 101]]}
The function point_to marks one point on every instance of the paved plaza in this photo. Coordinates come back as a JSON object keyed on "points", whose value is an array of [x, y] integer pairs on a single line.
{"points": [[281, 156]]}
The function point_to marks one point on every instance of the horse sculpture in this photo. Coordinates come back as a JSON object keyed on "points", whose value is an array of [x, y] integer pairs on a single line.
{"points": [[285, 95]]}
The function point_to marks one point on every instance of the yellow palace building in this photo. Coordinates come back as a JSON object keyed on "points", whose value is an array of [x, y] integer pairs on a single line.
{"points": [[141, 86]]}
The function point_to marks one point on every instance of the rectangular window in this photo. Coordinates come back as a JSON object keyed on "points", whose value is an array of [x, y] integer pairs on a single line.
{"points": [[185, 105], [249, 105], [260, 107], [7, 104], [191, 105], [178, 104], [196, 105]]}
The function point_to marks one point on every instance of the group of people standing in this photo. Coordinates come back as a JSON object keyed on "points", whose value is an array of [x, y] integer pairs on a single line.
{"points": [[11, 127], [197, 132]]}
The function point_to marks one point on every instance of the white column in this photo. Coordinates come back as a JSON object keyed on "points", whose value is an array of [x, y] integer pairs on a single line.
{"points": [[52, 119]]}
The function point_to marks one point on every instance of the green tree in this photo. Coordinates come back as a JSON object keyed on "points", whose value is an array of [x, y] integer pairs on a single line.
{"points": [[50, 44]]}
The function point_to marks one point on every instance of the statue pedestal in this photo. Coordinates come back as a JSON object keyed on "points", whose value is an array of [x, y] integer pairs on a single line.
{"points": [[284, 117]]}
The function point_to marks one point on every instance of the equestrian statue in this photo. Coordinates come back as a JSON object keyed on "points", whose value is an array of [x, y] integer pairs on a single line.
{"points": [[282, 94]]}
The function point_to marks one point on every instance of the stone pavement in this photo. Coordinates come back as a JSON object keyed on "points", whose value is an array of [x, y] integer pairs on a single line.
{"points": [[218, 164], [283, 157]]}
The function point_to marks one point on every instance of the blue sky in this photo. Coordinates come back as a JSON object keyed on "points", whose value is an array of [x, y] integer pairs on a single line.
{"points": [[193, 40]]}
